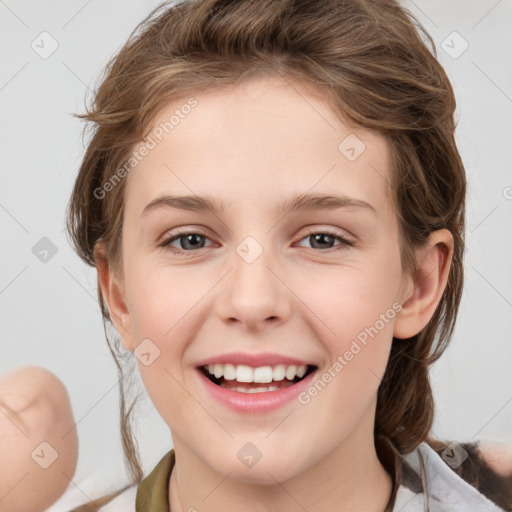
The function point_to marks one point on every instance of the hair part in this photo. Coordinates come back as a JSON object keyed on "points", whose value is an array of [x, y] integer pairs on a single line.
{"points": [[388, 81]]}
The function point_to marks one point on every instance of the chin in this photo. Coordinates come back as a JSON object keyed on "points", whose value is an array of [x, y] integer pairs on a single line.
{"points": [[263, 472]]}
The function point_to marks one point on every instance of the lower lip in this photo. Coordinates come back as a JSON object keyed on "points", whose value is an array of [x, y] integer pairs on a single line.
{"points": [[266, 401]]}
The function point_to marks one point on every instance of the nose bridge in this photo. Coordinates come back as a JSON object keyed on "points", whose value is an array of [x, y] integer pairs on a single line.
{"points": [[253, 293]]}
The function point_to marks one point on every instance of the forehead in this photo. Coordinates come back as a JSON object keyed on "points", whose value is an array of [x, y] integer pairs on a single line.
{"points": [[256, 144]]}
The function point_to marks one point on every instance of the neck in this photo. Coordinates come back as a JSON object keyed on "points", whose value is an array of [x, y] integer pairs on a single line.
{"points": [[349, 479]]}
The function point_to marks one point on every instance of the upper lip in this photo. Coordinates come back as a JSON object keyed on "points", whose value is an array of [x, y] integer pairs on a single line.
{"points": [[254, 360]]}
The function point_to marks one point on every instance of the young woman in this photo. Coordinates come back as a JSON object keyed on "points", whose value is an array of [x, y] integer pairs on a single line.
{"points": [[275, 204]]}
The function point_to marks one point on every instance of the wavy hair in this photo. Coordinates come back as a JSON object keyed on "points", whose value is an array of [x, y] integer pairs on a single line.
{"points": [[376, 65]]}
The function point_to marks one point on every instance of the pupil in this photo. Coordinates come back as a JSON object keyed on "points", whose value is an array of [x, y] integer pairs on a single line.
{"points": [[320, 236], [188, 239]]}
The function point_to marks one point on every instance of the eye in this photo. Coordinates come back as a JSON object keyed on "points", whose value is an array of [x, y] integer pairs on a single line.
{"points": [[323, 240], [188, 240], [191, 240]]}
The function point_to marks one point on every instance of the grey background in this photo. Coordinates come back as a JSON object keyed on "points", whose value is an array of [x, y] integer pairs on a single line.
{"points": [[49, 312]]}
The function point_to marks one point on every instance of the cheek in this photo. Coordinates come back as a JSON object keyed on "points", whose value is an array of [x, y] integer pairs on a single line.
{"points": [[165, 304], [357, 307], [359, 312], [162, 307], [161, 300], [352, 299]]}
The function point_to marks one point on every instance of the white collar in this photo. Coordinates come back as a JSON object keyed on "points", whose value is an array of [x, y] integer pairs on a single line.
{"points": [[443, 489]]}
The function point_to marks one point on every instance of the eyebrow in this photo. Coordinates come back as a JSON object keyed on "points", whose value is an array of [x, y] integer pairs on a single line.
{"points": [[300, 202]]}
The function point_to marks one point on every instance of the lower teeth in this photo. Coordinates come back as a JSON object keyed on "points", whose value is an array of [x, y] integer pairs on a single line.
{"points": [[252, 390]]}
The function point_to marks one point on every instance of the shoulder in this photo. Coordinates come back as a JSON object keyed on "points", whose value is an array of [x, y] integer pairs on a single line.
{"points": [[120, 501], [487, 467], [149, 494]]}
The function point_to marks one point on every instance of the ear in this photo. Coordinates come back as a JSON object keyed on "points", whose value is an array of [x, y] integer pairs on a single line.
{"points": [[112, 289], [425, 288]]}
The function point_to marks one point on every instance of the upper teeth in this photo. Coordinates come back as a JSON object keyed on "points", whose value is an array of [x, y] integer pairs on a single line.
{"points": [[262, 374]]}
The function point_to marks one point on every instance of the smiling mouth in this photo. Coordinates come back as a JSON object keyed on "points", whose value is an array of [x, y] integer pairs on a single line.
{"points": [[246, 379]]}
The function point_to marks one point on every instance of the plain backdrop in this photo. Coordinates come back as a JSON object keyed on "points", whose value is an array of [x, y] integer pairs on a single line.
{"points": [[49, 311]]}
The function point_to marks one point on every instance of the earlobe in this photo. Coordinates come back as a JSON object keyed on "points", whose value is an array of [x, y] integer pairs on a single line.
{"points": [[114, 297], [427, 285]]}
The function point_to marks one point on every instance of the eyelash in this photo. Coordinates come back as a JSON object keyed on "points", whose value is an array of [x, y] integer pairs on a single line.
{"points": [[343, 245]]}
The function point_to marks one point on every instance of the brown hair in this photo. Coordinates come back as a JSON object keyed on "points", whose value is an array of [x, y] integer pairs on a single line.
{"points": [[372, 60]]}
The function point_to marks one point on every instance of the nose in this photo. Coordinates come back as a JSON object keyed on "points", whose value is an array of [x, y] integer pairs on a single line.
{"points": [[253, 293]]}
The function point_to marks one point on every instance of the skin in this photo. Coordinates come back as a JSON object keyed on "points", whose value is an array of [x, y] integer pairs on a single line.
{"points": [[498, 457], [35, 409], [253, 146]]}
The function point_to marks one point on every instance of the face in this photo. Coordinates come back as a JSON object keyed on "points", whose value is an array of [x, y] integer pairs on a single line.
{"points": [[268, 282]]}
